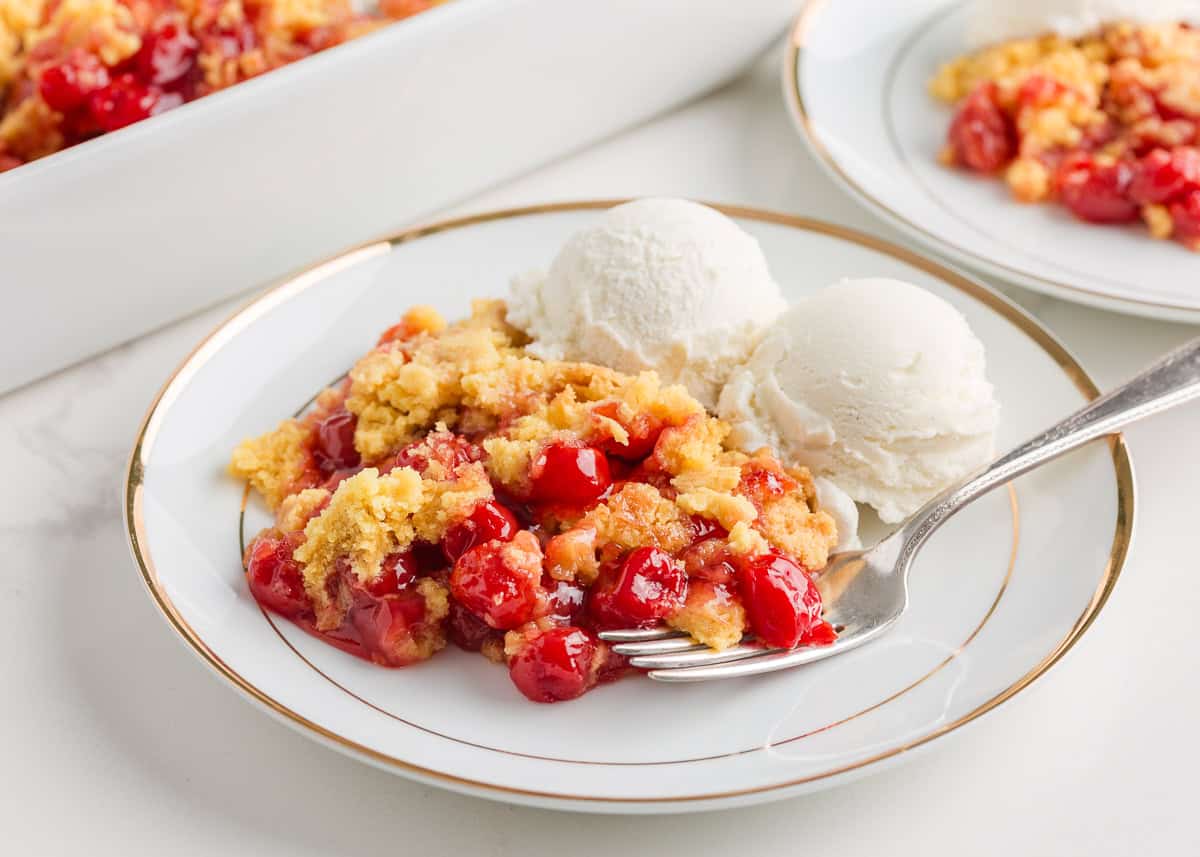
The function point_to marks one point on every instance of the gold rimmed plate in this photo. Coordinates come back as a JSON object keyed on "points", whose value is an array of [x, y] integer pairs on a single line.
{"points": [[856, 84], [997, 598]]}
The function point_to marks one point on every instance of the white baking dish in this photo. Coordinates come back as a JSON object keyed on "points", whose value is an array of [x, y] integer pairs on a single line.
{"points": [[111, 238]]}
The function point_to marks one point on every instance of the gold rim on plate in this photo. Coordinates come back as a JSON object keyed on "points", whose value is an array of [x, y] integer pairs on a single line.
{"points": [[793, 55], [290, 286]]}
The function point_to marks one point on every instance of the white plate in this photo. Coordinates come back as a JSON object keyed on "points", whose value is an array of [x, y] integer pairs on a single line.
{"points": [[990, 611], [855, 81]]}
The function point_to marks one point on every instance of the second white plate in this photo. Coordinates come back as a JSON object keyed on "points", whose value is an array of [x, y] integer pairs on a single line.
{"points": [[855, 81]]}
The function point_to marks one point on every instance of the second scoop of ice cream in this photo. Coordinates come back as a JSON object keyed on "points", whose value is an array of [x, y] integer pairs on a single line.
{"points": [[662, 284], [878, 385]]}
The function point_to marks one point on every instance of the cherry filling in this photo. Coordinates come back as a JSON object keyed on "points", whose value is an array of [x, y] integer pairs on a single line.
{"points": [[642, 430], [563, 473], [386, 627], [501, 587], [334, 449], [1095, 191], [560, 664], [398, 571], [451, 451], [982, 136], [648, 586], [1161, 177], [126, 100], [274, 577], [468, 631], [65, 86], [565, 600], [1186, 215], [782, 603], [168, 52], [489, 521]]}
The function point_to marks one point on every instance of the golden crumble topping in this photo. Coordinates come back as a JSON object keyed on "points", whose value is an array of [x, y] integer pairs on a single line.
{"points": [[104, 27], [790, 525], [274, 462], [400, 390], [711, 616], [298, 509]]}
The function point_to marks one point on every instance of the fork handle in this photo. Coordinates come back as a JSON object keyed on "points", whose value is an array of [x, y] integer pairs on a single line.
{"points": [[1172, 381]]}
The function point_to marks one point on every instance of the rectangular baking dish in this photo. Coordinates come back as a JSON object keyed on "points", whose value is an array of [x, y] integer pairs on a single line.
{"points": [[121, 234]]}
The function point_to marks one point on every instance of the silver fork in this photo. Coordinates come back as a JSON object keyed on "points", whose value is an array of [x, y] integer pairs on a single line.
{"points": [[867, 591]]}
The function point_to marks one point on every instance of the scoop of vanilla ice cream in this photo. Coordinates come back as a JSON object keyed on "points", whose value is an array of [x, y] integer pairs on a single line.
{"points": [[839, 505], [1002, 20], [662, 284], [877, 385]]}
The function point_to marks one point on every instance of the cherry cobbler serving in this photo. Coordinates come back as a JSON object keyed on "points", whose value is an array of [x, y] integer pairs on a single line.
{"points": [[455, 488], [74, 69], [1108, 124]]}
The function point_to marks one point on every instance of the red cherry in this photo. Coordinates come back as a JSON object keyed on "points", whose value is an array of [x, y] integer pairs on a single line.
{"points": [[467, 630], [489, 521], [337, 477], [168, 52], [649, 586], [820, 634], [501, 587], [1097, 192], [569, 474], [449, 450], [334, 447], [707, 528], [274, 576], [397, 572], [982, 136], [126, 100], [1163, 176], [429, 557], [643, 432], [565, 599], [1039, 91], [1186, 215], [556, 666], [781, 601], [761, 484], [387, 626], [66, 86]]}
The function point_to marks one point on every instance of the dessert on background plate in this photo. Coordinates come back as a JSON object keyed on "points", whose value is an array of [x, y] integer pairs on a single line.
{"points": [[495, 485], [71, 70], [1094, 105]]}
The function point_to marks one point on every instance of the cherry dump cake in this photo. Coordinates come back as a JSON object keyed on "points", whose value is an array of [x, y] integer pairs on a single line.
{"points": [[1107, 124], [73, 69], [455, 488]]}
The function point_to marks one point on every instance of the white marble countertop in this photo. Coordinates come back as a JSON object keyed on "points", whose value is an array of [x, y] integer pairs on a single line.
{"points": [[115, 741]]}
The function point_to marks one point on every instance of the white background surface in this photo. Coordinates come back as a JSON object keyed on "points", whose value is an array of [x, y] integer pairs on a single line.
{"points": [[116, 741]]}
